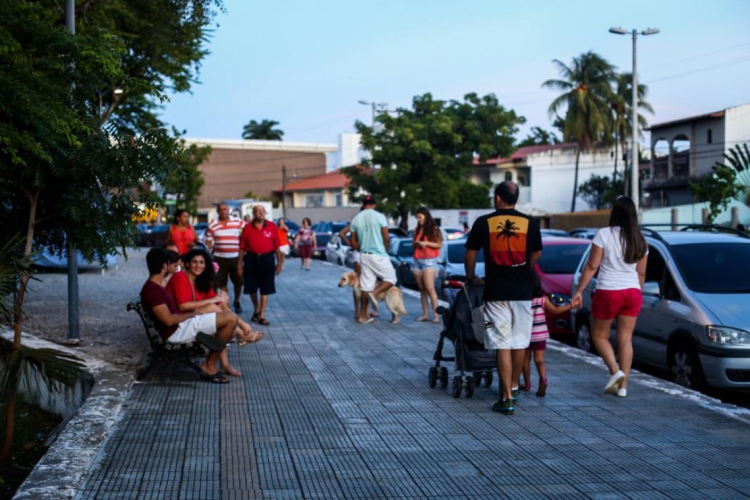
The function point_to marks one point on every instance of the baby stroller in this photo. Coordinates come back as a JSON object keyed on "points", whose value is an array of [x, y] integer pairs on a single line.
{"points": [[471, 355]]}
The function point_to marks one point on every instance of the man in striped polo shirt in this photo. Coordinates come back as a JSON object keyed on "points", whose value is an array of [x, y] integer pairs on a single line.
{"points": [[223, 235]]}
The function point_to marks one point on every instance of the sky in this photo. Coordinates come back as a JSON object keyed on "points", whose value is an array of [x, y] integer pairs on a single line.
{"points": [[307, 63]]}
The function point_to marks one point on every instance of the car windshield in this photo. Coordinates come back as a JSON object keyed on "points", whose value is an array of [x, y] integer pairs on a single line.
{"points": [[457, 254], [713, 267], [561, 259]]}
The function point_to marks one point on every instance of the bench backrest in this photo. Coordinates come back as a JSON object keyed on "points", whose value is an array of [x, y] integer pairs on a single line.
{"points": [[158, 345]]}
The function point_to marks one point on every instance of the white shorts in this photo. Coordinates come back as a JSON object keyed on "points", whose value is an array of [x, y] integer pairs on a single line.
{"points": [[356, 257], [284, 249], [188, 329], [374, 267], [508, 324]]}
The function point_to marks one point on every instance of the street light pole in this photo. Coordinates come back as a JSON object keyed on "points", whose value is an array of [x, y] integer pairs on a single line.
{"points": [[634, 174], [375, 106], [73, 318]]}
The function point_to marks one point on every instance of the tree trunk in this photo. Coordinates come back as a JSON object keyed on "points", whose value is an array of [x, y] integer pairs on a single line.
{"points": [[404, 216], [10, 409], [575, 181], [617, 143]]}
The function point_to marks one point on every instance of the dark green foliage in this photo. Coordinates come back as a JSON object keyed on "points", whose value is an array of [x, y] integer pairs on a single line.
{"points": [[539, 137], [186, 181], [726, 183], [601, 191], [263, 130], [473, 196], [425, 154]]}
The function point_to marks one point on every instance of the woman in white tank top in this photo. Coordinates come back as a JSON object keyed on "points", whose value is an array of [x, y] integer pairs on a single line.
{"points": [[619, 252]]}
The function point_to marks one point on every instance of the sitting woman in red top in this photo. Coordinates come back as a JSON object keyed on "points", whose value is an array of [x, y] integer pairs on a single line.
{"points": [[193, 290]]}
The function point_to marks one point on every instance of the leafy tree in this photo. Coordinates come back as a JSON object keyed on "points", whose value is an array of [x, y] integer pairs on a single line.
{"points": [[471, 195], [586, 92], [263, 131], [600, 191], [186, 181], [727, 182], [621, 104], [539, 137], [63, 176], [426, 152]]}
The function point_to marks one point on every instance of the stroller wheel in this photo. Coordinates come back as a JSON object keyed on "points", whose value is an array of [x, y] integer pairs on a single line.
{"points": [[443, 377], [432, 377], [457, 386], [488, 379], [469, 387]]}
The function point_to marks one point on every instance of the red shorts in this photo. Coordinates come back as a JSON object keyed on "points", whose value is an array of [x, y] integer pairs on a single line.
{"points": [[606, 304]]}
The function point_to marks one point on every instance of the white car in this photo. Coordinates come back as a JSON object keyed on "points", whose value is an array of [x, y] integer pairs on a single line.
{"points": [[337, 251]]}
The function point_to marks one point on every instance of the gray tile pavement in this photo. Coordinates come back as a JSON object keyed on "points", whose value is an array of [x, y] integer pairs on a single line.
{"points": [[327, 408]]}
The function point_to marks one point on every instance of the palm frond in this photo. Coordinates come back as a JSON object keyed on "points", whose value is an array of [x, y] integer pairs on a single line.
{"points": [[54, 368]]}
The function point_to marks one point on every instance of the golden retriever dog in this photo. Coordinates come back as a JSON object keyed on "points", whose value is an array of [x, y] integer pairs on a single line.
{"points": [[394, 299]]}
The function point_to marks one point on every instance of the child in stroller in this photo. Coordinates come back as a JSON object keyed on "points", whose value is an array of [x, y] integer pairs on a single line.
{"points": [[470, 354]]}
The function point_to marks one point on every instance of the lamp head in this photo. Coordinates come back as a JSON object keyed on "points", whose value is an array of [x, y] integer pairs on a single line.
{"points": [[618, 31], [362, 101], [651, 31]]}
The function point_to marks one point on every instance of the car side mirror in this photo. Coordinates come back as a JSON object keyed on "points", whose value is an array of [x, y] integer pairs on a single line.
{"points": [[651, 288]]}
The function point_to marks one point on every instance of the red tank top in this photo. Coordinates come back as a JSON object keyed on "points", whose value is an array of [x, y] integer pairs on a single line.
{"points": [[182, 239], [427, 252]]}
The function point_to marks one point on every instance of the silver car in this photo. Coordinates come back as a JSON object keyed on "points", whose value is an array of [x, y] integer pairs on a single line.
{"points": [[695, 319]]}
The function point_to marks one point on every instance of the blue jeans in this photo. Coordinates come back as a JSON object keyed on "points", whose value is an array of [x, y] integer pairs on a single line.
{"points": [[422, 264]]}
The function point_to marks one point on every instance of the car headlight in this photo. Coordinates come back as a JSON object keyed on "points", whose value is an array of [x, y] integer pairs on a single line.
{"points": [[729, 337], [559, 299]]}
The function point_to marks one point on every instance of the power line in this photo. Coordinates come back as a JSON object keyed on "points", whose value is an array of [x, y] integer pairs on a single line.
{"points": [[680, 61]]}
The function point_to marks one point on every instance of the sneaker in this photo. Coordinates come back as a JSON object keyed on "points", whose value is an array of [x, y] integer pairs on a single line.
{"points": [[622, 393], [514, 393], [505, 407], [542, 388], [614, 382], [237, 307]]}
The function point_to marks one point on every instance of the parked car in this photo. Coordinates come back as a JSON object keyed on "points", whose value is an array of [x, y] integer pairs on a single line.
{"points": [[48, 260], [554, 232], [324, 230], [200, 230], [694, 321], [556, 268], [401, 254], [336, 251], [584, 232], [452, 233], [149, 236], [452, 259]]}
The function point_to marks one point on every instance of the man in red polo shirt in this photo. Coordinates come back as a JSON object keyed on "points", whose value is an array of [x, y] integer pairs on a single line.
{"points": [[260, 260]]}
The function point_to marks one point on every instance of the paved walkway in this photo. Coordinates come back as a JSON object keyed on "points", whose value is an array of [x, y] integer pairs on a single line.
{"points": [[327, 408]]}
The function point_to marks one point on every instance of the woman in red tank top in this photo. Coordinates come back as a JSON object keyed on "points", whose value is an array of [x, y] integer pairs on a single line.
{"points": [[427, 242], [182, 233]]}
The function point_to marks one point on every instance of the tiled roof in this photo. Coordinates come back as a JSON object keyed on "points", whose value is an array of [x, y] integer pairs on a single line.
{"points": [[522, 153], [332, 180]]}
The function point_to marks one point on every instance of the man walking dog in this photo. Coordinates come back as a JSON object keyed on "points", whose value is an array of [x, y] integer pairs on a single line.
{"points": [[370, 236]]}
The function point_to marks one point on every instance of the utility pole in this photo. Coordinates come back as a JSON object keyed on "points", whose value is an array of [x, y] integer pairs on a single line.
{"points": [[634, 174], [74, 332], [283, 191]]}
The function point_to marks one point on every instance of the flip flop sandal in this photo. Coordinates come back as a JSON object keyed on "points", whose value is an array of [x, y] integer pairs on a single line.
{"points": [[263, 321], [216, 378], [255, 318], [256, 338]]}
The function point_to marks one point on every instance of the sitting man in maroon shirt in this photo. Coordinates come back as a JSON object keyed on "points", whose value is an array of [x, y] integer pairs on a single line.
{"points": [[180, 328]]}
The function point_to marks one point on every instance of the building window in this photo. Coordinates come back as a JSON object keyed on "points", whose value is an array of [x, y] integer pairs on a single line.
{"points": [[508, 176], [339, 200], [710, 136], [521, 180], [313, 200]]}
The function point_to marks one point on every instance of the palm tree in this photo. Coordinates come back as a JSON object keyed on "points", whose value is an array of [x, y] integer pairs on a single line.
{"points": [[622, 115], [587, 88], [264, 130], [508, 230]]}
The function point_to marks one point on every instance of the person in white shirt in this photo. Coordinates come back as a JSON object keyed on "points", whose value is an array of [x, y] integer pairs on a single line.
{"points": [[619, 252]]}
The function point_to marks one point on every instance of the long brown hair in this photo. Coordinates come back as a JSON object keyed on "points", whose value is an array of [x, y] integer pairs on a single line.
{"points": [[625, 217], [429, 229]]}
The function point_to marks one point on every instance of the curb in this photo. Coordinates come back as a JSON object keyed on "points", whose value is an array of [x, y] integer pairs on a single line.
{"points": [[61, 470]]}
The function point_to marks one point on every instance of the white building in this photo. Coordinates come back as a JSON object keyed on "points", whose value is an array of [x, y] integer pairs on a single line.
{"points": [[349, 152], [545, 175], [685, 150]]}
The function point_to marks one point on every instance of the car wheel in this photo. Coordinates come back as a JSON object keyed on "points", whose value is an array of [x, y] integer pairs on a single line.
{"points": [[583, 337], [685, 367]]}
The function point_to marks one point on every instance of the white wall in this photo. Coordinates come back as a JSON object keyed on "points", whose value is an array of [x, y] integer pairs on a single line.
{"points": [[349, 152], [693, 214], [737, 120], [552, 174]]}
